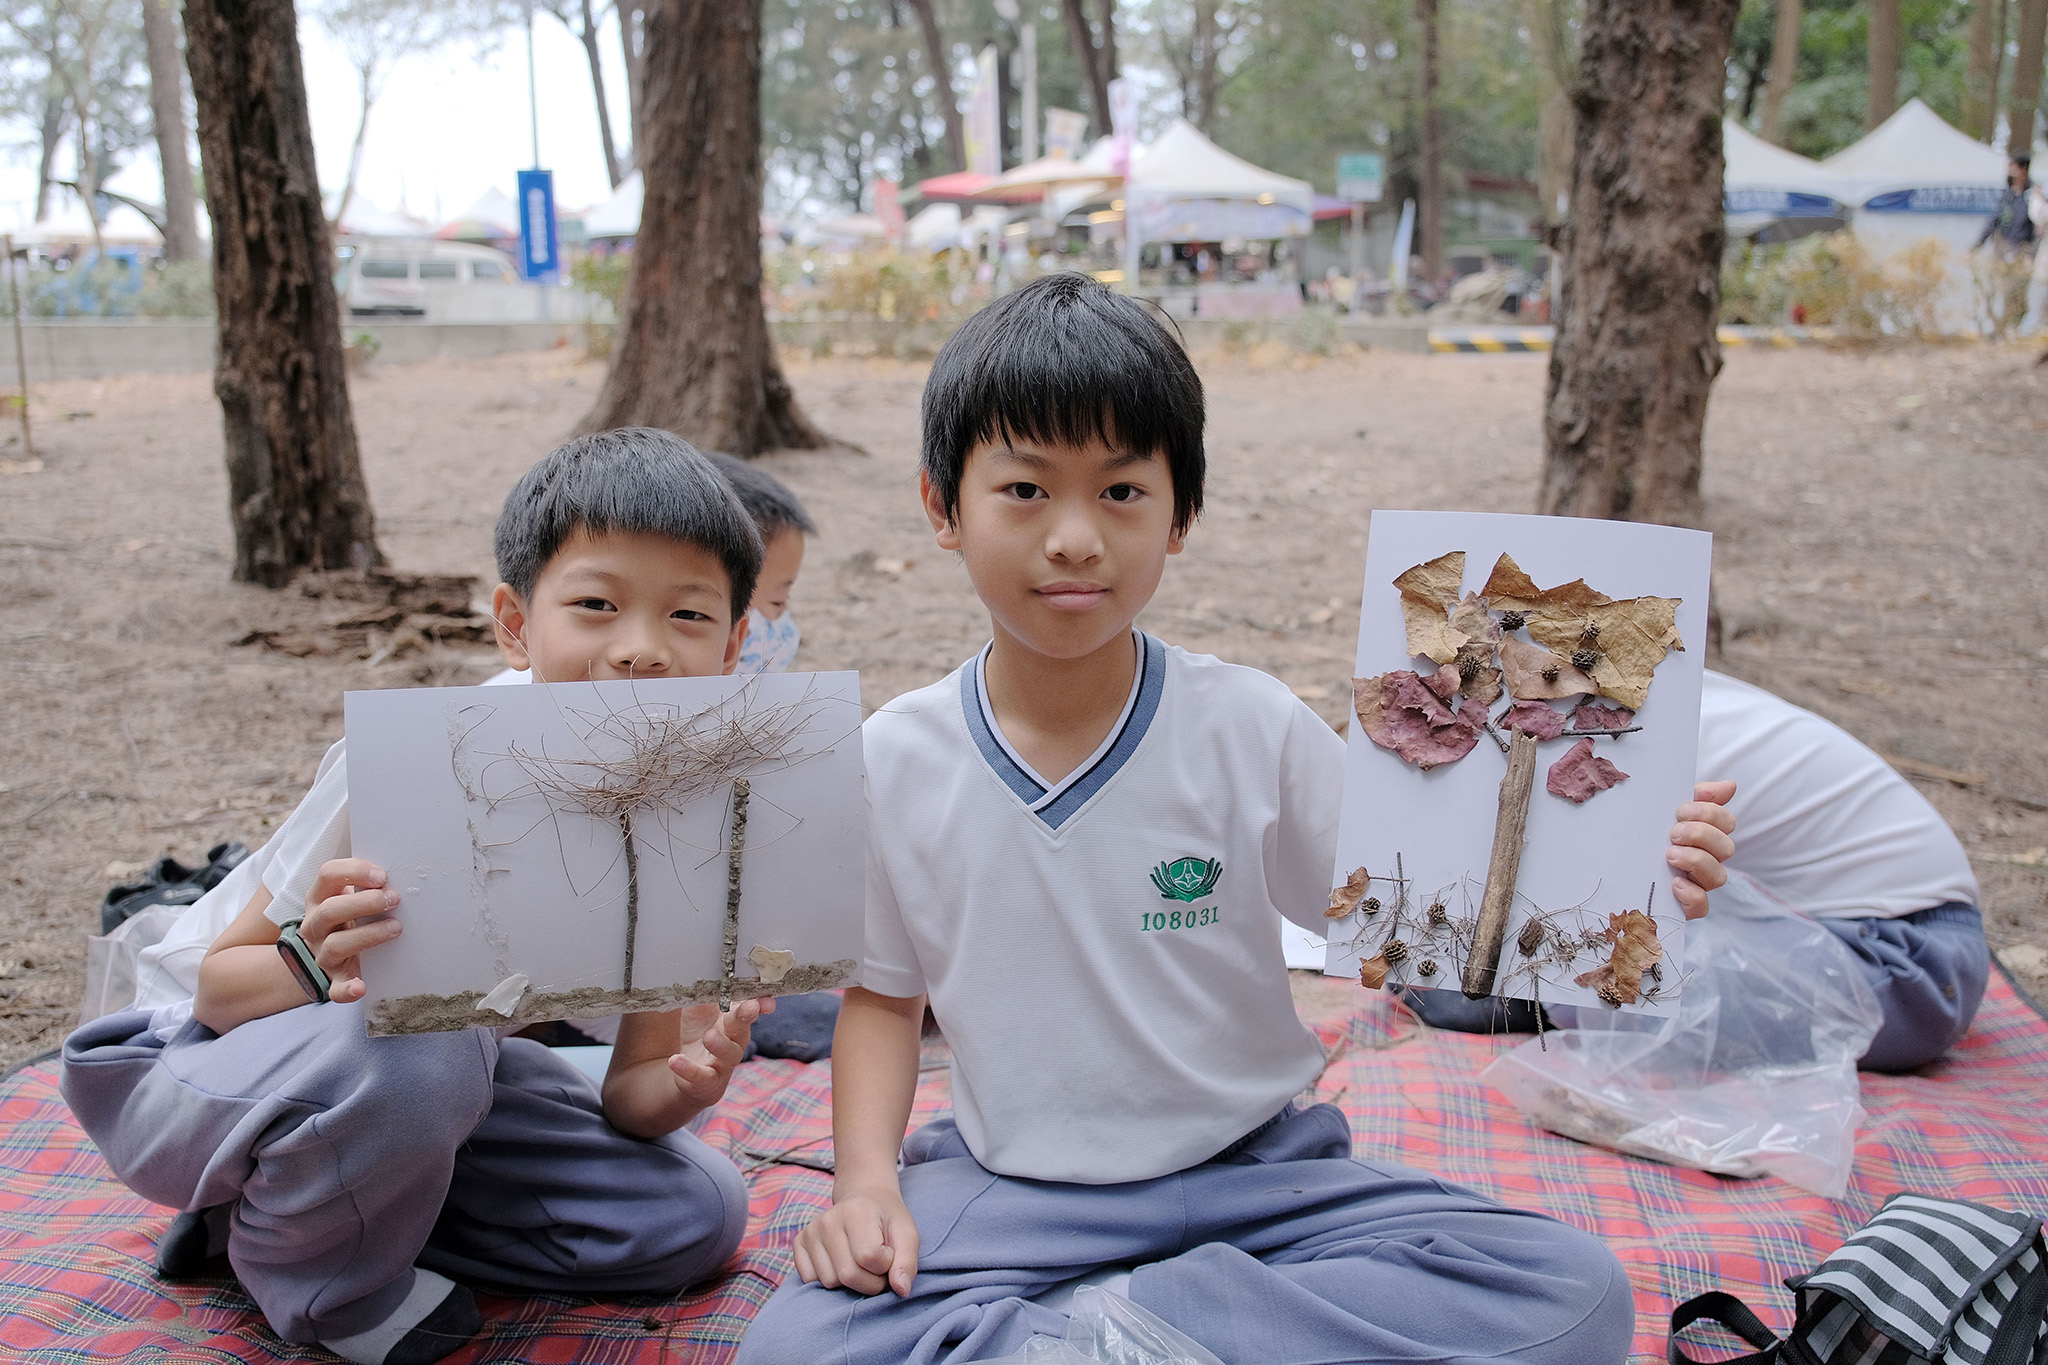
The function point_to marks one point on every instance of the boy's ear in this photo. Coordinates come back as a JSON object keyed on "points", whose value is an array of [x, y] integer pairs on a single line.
{"points": [[508, 614], [732, 645], [944, 527]]}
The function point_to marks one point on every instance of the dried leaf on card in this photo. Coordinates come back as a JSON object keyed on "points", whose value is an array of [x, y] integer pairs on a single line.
{"points": [[1400, 714], [1509, 589], [1526, 666], [1372, 972], [1429, 593], [1478, 637], [1619, 980], [1580, 774], [1594, 716], [1630, 639], [1443, 682], [1345, 898], [1534, 718]]}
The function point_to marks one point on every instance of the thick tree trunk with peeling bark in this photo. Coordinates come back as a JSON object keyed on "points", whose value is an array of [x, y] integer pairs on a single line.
{"points": [[1639, 264], [295, 479], [167, 104], [693, 353]]}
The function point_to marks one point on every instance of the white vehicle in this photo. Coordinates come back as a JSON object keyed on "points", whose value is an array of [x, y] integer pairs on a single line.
{"points": [[424, 277]]}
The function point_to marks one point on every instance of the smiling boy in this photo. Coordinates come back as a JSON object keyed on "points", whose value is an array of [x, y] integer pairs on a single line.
{"points": [[1078, 844], [342, 1174]]}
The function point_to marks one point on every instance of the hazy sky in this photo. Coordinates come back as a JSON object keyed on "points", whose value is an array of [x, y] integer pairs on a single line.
{"points": [[448, 127]]}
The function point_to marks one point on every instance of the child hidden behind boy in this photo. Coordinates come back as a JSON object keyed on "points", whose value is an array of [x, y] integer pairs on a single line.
{"points": [[1124, 1080], [351, 1180]]}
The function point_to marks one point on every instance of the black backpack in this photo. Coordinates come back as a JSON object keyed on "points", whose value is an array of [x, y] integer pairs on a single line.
{"points": [[1926, 1280]]}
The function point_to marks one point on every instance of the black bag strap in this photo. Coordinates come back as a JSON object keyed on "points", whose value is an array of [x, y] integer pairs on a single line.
{"points": [[1732, 1313], [2020, 1327]]}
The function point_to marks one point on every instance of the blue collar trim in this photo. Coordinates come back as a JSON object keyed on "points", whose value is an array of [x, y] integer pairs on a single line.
{"points": [[1057, 805]]}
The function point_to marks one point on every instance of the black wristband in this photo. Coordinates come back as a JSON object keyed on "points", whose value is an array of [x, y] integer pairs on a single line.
{"points": [[305, 969]]}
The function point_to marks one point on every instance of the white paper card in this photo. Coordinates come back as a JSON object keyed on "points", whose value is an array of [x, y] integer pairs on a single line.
{"points": [[1426, 837], [500, 814]]}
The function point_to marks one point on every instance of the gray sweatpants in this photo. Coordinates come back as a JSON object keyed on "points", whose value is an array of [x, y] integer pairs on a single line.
{"points": [[1282, 1250], [349, 1159]]}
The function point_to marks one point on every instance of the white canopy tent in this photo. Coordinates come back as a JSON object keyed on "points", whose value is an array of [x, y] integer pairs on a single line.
{"points": [[365, 219], [618, 216], [1765, 184], [1182, 164], [68, 225]]}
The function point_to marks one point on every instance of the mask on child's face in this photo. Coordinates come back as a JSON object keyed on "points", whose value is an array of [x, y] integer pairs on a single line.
{"points": [[770, 646]]}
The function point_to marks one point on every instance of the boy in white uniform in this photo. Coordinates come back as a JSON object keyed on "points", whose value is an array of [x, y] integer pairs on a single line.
{"points": [[1079, 843], [343, 1175]]}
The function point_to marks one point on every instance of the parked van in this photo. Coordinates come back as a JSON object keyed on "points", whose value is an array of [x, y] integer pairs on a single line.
{"points": [[423, 277]]}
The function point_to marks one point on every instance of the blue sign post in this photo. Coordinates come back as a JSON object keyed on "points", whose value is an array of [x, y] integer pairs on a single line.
{"points": [[540, 255]]}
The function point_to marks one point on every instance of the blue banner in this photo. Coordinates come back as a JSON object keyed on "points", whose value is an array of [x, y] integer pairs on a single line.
{"points": [[1781, 203], [540, 251], [1965, 199]]}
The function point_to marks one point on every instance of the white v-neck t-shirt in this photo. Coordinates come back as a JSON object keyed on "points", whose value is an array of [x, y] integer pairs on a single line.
{"points": [[1103, 953]]}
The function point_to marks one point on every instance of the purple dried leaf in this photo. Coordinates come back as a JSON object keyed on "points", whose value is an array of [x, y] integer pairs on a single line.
{"points": [[1581, 773]]}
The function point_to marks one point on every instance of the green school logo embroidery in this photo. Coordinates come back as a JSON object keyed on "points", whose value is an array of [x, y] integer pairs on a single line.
{"points": [[1187, 879]]}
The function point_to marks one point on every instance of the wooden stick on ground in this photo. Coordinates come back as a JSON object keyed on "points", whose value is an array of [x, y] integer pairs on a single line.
{"points": [[1490, 935], [741, 790]]}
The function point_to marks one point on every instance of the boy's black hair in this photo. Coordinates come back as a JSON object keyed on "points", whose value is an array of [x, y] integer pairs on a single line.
{"points": [[631, 479], [1065, 360], [767, 499]]}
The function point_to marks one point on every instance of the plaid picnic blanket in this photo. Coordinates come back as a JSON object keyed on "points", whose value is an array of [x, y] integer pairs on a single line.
{"points": [[76, 1249]]}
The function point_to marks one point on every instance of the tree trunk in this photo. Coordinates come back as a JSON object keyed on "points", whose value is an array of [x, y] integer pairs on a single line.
{"points": [[632, 33], [588, 37], [1091, 64], [167, 103], [1884, 62], [1204, 104], [1784, 67], [693, 351], [295, 480], [1640, 264], [54, 111], [1106, 43], [1429, 213], [2026, 78], [1980, 80], [355, 151], [942, 79], [1556, 63]]}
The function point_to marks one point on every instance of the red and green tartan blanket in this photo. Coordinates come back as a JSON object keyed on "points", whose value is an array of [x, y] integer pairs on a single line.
{"points": [[76, 1248]]}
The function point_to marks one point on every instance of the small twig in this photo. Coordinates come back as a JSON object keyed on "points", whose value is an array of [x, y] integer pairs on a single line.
{"points": [[1497, 737], [1599, 734], [632, 893], [741, 789]]}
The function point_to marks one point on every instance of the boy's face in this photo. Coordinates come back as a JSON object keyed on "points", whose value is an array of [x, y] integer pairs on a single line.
{"points": [[779, 567], [624, 604], [1064, 544]]}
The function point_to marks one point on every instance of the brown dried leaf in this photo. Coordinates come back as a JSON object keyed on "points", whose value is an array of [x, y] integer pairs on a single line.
{"points": [[1400, 714], [1633, 636], [1579, 774], [1526, 664], [1372, 972], [1534, 718], [1429, 592], [1345, 898], [1509, 589], [1619, 980], [1593, 716], [1471, 619], [1478, 676]]}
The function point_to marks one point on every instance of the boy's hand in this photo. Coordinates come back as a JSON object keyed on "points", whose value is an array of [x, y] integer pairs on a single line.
{"points": [[1700, 844], [704, 1067], [347, 911], [866, 1242]]}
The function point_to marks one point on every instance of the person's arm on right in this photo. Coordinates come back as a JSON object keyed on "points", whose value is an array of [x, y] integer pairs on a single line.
{"points": [[867, 1240], [243, 978]]}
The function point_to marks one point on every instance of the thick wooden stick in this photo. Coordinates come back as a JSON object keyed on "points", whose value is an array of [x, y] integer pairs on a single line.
{"points": [[741, 789], [1491, 934], [632, 893]]}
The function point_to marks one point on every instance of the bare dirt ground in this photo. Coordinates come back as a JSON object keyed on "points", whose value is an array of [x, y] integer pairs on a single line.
{"points": [[1879, 559]]}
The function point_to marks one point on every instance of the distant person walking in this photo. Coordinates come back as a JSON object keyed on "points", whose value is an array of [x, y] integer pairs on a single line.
{"points": [[2011, 233], [2037, 288]]}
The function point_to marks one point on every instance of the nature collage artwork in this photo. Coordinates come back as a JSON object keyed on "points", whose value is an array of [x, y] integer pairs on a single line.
{"points": [[586, 849], [1457, 868]]}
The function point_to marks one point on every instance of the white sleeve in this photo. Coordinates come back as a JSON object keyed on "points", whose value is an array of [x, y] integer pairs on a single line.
{"points": [[889, 963], [317, 832], [1301, 847]]}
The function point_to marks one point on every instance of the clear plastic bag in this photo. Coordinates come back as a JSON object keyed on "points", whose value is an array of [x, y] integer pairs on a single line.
{"points": [[1108, 1329], [112, 961], [1755, 1074]]}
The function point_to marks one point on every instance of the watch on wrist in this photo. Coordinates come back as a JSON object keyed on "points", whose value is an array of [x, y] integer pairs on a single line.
{"points": [[305, 969]]}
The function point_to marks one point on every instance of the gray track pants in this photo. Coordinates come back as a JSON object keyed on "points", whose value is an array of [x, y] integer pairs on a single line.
{"points": [[348, 1160], [1284, 1250]]}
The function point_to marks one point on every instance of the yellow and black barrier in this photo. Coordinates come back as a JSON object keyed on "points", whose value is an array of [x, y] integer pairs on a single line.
{"points": [[1511, 340]]}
